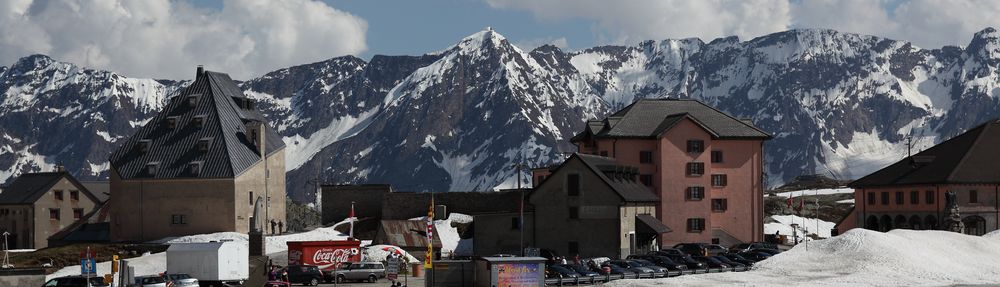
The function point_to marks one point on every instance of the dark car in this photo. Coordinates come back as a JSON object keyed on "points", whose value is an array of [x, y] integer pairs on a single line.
{"points": [[75, 281], [688, 261], [618, 270], [742, 260], [668, 252], [304, 274], [711, 262], [743, 247], [766, 250], [657, 269], [582, 270], [701, 249], [661, 260], [556, 271], [551, 257], [755, 256], [731, 263]]}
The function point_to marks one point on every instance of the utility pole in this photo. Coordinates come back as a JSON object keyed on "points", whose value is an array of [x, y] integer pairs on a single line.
{"points": [[909, 145]]}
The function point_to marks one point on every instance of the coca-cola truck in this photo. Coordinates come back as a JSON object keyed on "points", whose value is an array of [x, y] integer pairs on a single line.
{"points": [[327, 255]]}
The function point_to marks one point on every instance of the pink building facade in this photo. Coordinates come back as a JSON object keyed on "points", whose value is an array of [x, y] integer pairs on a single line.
{"points": [[705, 166]]}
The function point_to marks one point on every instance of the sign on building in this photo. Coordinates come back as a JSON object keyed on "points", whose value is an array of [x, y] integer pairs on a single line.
{"points": [[392, 269]]}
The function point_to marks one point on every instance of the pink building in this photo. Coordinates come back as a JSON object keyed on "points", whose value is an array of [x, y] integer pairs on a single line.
{"points": [[910, 193], [696, 159]]}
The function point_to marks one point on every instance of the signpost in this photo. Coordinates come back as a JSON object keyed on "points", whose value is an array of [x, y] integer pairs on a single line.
{"points": [[392, 270]]}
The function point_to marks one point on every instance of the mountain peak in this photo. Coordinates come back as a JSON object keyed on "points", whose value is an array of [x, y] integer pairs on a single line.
{"points": [[32, 62], [985, 42]]}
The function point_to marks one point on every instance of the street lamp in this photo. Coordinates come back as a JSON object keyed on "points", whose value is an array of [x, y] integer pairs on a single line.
{"points": [[6, 260]]}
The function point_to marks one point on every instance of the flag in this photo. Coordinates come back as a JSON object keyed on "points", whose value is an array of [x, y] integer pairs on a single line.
{"points": [[801, 204], [351, 218], [428, 264], [789, 202]]}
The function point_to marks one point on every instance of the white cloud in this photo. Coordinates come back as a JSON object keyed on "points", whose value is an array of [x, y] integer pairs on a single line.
{"points": [[927, 23], [166, 39]]}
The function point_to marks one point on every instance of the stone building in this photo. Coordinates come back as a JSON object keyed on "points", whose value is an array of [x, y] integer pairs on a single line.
{"points": [[38, 205], [910, 193], [198, 166], [705, 166]]}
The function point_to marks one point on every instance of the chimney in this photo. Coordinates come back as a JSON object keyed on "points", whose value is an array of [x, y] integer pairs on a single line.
{"points": [[201, 70], [60, 168], [261, 136]]}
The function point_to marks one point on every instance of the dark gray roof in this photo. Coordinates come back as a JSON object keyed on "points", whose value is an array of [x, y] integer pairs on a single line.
{"points": [[100, 189], [607, 169], [231, 150], [650, 118], [652, 223], [969, 158], [27, 188]]}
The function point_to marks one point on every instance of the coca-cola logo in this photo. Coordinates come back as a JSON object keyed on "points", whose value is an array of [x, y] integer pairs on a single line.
{"points": [[334, 255]]}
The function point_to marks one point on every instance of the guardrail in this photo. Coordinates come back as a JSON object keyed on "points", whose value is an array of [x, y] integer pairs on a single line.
{"points": [[611, 277]]}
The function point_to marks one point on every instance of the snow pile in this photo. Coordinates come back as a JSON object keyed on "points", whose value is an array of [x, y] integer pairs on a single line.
{"points": [[821, 191], [783, 224], [995, 234], [147, 264], [863, 257], [381, 252], [450, 240]]}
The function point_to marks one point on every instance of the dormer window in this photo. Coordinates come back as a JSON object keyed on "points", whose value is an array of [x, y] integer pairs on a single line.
{"points": [[194, 168], [198, 121], [152, 168], [249, 104], [204, 144], [143, 146], [192, 100], [171, 122]]}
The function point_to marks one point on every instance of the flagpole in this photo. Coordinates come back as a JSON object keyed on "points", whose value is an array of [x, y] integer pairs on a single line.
{"points": [[352, 219]]}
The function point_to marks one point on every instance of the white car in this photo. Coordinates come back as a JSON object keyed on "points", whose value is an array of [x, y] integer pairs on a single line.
{"points": [[150, 281], [182, 280]]}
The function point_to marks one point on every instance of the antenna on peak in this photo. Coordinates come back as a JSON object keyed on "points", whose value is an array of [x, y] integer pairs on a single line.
{"points": [[488, 28]]}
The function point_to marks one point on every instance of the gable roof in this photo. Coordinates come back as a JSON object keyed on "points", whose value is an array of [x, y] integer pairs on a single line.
{"points": [[605, 169], [225, 114], [650, 118], [27, 188], [406, 233], [969, 158], [93, 227]]}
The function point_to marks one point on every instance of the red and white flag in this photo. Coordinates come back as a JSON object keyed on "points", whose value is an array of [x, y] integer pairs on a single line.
{"points": [[352, 219]]}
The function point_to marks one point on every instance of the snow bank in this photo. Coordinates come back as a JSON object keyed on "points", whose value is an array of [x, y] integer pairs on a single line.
{"points": [[863, 257], [995, 234], [783, 224], [147, 264], [821, 191], [380, 252]]}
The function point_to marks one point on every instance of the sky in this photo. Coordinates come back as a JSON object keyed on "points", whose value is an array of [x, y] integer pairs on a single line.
{"points": [[248, 38]]}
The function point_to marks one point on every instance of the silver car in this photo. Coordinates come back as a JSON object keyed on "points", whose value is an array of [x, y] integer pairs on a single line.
{"points": [[150, 281], [182, 280], [368, 271]]}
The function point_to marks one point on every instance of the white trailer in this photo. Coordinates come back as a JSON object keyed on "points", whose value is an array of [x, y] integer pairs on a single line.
{"points": [[212, 263]]}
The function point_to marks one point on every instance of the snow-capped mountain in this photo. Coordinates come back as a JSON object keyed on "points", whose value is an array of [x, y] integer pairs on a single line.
{"points": [[838, 104]]}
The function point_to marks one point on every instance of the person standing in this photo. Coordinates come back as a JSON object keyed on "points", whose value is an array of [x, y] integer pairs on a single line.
{"points": [[281, 227], [272, 225]]}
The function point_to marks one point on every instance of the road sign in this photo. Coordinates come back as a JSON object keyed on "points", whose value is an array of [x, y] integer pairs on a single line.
{"points": [[88, 266], [392, 268]]}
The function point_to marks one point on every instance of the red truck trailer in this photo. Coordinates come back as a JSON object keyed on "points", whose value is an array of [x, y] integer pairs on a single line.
{"points": [[327, 255]]}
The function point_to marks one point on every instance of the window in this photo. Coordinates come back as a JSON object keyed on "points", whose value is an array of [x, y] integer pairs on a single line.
{"points": [[973, 196], [143, 146], [646, 179], [716, 156], [515, 223], [885, 198], [695, 224], [251, 198], [695, 193], [871, 198], [574, 212], [719, 204], [204, 144], [178, 219], [604, 153], [929, 196], [74, 195], [192, 100], [695, 168], [171, 122], [198, 121], [899, 198], [719, 180], [573, 247], [58, 194], [151, 168], [695, 146], [77, 213], [914, 197], [716, 240], [645, 157], [573, 184], [54, 213], [194, 168]]}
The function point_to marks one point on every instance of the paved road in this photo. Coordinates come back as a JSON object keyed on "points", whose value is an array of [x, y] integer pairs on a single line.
{"points": [[411, 281]]}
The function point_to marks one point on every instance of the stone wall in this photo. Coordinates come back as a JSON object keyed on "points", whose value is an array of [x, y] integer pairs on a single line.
{"points": [[336, 201]]}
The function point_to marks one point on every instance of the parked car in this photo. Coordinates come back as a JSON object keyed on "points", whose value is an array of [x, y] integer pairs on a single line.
{"points": [[636, 268], [556, 271], [181, 280], [770, 251], [701, 249], [582, 270], [370, 271], [743, 247], [740, 259], [688, 261], [657, 269], [150, 281], [668, 252], [729, 262], [304, 274], [618, 270], [74, 281], [755, 256], [711, 262], [661, 261]]}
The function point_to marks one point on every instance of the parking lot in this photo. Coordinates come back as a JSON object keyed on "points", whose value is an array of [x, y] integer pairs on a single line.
{"points": [[410, 281]]}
